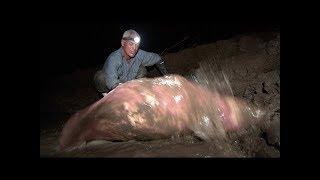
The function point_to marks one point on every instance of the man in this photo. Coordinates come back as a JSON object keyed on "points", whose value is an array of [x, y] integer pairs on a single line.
{"points": [[126, 63]]}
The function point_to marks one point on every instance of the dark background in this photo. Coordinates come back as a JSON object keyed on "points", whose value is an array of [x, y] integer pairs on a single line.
{"points": [[68, 46]]}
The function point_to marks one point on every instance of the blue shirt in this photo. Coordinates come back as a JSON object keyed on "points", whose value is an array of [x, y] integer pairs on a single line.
{"points": [[119, 70]]}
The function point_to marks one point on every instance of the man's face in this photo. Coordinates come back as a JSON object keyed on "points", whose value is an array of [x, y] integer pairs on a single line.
{"points": [[130, 48]]}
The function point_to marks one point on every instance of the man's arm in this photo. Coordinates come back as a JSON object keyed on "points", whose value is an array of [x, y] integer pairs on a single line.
{"points": [[110, 69], [150, 59]]}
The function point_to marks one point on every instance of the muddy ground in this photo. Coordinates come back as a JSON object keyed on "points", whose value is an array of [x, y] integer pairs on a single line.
{"points": [[252, 65]]}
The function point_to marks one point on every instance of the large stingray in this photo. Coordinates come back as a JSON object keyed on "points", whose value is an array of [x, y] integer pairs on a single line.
{"points": [[154, 108]]}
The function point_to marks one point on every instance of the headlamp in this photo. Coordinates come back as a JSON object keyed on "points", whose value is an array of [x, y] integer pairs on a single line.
{"points": [[135, 39]]}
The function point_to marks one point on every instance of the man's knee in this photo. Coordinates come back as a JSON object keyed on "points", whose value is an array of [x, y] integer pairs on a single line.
{"points": [[100, 82]]}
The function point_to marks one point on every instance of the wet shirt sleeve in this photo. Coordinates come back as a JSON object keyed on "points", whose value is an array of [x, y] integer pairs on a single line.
{"points": [[111, 67], [149, 58]]}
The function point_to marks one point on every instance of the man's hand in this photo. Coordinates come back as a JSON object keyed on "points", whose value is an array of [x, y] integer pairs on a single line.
{"points": [[162, 67], [114, 86]]}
